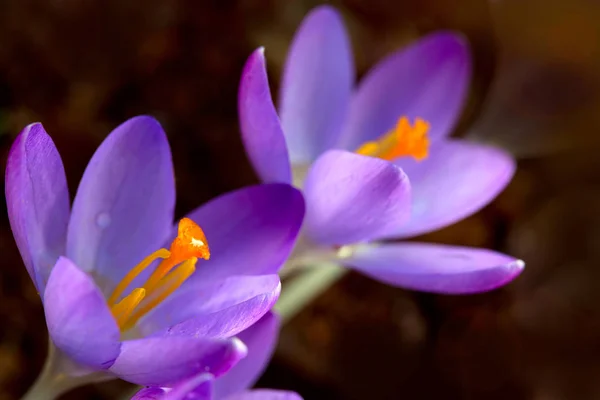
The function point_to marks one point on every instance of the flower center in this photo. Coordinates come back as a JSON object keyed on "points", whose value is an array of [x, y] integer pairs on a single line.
{"points": [[178, 263], [403, 140]]}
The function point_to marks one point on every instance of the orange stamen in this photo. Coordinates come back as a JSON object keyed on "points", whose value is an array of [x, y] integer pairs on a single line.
{"points": [[169, 284], [190, 242], [189, 245], [404, 140]]}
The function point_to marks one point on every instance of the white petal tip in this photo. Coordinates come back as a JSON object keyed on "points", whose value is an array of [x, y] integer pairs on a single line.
{"points": [[239, 347], [518, 265]]}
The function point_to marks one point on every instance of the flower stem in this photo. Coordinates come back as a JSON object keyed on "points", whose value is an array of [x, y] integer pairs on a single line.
{"points": [[304, 288], [54, 380]]}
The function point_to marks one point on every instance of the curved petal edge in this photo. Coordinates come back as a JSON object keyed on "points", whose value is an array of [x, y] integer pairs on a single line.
{"points": [[354, 198], [262, 134], [316, 85], [435, 268], [78, 318], [37, 200]]}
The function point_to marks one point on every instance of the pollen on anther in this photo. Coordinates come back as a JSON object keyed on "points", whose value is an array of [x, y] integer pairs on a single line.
{"points": [[190, 241], [197, 242]]}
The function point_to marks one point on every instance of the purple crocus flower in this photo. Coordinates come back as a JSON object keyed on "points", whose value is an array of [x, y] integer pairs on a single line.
{"points": [[353, 151], [174, 319], [260, 339]]}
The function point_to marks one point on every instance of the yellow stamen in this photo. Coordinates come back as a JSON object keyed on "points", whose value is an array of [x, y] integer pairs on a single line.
{"points": [[404, 140], [161, 270], [189, 245], [138, 269], [168, 285], [123, 309]]}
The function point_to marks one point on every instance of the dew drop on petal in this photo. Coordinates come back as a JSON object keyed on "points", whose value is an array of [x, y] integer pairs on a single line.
{"points": [[103, 220]]}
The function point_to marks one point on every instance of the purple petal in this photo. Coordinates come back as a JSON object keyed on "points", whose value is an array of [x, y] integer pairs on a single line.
{"points": [[436, 268], [261, 339], [123, 209], [250, 231], [352, 198], [37, 199], [265, 394], [150, 393], [316, 84], [217, 308], [164, 361], [79, 321], [456, 180], [196, 388], [228, 321], [428, 80], [261, 130]]}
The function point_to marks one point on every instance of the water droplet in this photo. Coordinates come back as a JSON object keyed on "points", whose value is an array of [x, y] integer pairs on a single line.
{"points": [[103, 220]]}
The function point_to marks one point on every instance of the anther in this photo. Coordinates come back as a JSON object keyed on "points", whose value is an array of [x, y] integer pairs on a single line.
{"points": [[190, 242], [404, 140]]}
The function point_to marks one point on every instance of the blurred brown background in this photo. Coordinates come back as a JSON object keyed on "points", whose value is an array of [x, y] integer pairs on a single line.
{"points": [[82, 67]]}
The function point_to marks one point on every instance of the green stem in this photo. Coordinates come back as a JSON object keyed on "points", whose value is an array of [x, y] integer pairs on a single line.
{"points": [[307, 286], [54, 380]]}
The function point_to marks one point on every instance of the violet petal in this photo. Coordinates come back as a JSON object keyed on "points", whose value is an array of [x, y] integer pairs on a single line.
{"points": [[316, 85], [123, 209], [456, 180], [250, 231], [199, 387], [78, 318], [436, 268], [37, 200], [264, 394], [353, 198], [428, 79], [165, 361], [150, 393], [261, 130], [260, 339], [228, 321], [241, 300]]}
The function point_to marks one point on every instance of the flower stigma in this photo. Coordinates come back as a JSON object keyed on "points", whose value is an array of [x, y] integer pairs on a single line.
{"points": [[178, 263], [401, 141]]}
